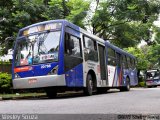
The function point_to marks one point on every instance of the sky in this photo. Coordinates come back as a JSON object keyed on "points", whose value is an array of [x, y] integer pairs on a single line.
{"points": [[7, 57]]}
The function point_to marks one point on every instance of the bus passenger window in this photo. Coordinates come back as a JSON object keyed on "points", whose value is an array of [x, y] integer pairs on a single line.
{"points": [[118, 59], [124, 62], [72, 45], [129, 62], [90, 46], [111, 57], [111, 52], [133, 63]]}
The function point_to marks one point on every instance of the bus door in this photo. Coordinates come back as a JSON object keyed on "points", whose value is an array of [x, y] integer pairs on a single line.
{"points": [[73, 60], [135, 76], [103, 71], [119, 76]]}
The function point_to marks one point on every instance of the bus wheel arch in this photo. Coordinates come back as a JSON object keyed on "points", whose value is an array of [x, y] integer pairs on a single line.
{"points": [[127, 85], [91, 83]]}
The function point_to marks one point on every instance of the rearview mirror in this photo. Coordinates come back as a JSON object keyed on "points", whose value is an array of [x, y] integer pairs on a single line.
{"points": [[7, 44]]}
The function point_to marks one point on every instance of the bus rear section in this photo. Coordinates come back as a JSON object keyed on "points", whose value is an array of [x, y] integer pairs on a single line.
{"points": [[152, 78], [121, 67]]}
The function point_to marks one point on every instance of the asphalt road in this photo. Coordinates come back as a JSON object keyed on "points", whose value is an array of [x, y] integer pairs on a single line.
{"points": [[136, 101]]}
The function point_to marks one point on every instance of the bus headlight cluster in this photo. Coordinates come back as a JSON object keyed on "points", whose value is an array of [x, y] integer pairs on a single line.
{"points": [[53, 71], [16, 75]]}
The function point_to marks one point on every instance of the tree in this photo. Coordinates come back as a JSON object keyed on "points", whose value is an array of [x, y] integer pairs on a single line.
{"points": [[125, 22], [141, 55], [148, 57], [16, 14], [73, 10]]}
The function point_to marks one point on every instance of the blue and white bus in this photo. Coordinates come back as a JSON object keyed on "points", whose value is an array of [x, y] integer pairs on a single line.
{"points": [[57, 55], [152, 78]]}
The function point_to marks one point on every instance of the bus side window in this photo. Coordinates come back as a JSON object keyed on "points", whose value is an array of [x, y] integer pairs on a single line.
{"points": [[126, 62], [118, 57], [129, 62], [111, 57], [132, 63], [72, 45], [67, 37], [123, 62], [90, 49]]}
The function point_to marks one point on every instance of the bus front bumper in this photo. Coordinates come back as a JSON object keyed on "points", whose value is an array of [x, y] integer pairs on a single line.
{"points": [[39, 81]]}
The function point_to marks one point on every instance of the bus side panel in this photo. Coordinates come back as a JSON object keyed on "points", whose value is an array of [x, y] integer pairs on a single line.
{"points": [[73, 65], [61, 52], [120, 76], [125, 75], [111, 75], [70, 78], [74, 77], [79, 76], [133, 77], [115, 76]]}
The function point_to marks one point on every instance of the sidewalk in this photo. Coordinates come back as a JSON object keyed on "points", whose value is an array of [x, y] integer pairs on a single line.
{"points": [[21, 96]]}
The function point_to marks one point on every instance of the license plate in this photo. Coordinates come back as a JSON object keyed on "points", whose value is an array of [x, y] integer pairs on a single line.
{"points": [[31, 81]]}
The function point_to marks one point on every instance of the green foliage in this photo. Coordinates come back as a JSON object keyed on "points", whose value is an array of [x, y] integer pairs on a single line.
{"points": [[125, 22], [141, 55], [16, 14], [148, 57], [73, 10], [78, 11], [5, 62], [5, 83], [153, 56], [141, 84]]}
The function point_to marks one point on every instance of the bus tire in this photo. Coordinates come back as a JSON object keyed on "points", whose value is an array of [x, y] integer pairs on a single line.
{"points": [[51, 93], [88, 90], [149, 86], [127, 87]]}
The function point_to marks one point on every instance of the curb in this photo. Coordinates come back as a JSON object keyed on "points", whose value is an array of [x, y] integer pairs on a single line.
{"points": [[17, 98]]}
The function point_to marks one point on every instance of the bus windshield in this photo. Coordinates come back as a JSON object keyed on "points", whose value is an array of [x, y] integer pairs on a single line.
{"points": [[37, 48], [152, 74]]}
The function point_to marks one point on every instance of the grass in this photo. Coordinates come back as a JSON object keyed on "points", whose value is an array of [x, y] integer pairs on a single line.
{"points": [[21, 95]]}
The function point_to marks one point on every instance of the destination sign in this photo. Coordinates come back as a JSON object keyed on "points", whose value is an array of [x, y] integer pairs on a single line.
{"points": [[40, 28]]}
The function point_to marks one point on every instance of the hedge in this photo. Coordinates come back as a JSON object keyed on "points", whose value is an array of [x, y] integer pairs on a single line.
{"points": [[5, 83]]}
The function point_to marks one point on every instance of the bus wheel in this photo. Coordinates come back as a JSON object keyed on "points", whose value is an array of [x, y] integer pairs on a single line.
{"points": [[88, 90], [51, 93], [127, 87]]}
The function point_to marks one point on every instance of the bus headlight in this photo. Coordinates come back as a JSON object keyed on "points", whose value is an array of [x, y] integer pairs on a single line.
{"points": [[16, 75], [53, 71]]}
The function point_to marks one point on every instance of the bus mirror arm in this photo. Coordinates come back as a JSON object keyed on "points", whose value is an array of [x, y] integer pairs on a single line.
{"points": [[7, 43]]}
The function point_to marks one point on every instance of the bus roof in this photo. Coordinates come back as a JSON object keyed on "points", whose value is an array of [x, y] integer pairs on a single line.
{"points": [[66, 23], [119, 50]]}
